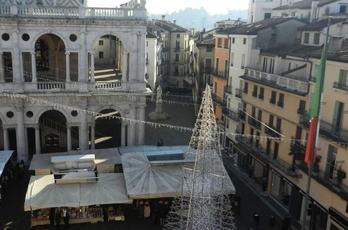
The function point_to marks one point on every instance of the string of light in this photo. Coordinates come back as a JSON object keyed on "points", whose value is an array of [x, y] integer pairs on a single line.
{"points": [[152, 124]]}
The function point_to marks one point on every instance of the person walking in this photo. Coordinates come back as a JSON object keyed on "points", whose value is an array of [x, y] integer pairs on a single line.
{"points": [[272, 223], [66, 218], [237, 200], [58, 218], [286, 223], [256, 220]]}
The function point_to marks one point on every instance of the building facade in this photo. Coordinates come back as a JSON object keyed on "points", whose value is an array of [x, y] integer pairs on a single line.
{"points": [[54, 94]]}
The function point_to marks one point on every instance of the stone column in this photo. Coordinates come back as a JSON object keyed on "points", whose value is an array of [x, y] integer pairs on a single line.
{"points": [[21, 135], [82, 59], [37, 140], [33, 67], [83, 131], [67, 66], [124, 66], [68, 137], [141, 57], [2, 70], [141, 126], [6, 138], [16, 58], [131, 127], [92, 67], [123, 134], [92, 137]]}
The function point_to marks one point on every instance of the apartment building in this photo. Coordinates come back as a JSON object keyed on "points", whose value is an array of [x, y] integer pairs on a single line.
{"points": [[179, 53], [277, 86], [64, 65], [152, 54]]}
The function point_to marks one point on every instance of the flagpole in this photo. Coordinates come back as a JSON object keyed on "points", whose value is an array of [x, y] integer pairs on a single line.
{"points": [[312, 153]]}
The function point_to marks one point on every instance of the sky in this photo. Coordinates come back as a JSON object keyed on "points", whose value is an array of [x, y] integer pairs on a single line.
{"points": [[169, 6]]}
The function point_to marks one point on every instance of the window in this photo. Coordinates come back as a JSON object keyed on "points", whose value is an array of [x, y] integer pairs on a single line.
{"points": [[289, 66], [178, 36], [331, 161], [209, 49], [101, 42], [298, 134], [264, 67], [279, 124], [176, 69], [259, 119], [101, 54], [271, 65], [301, 107], [273, 97], [343, 9], [219, 42], [232, 58], [233, 40], [245, 88], [337, 118], [251, 136], [267, 15], [306, 38], [227, 123], [343, 78], [281, 100], [244, 41], [243, 61], [177, 45], [261, 94], [226, 43], [316, 38], [254, 94], [176, 57], [270, 120]]}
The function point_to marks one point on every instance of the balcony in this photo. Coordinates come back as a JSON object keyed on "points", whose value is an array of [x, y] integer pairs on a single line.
{"points": [[241, 115], [220, 74], [67, 12], [339, 86], [261, 96], [238, 93], [177, 49], [293, 84], [272, 131], [228, 89], [218, 99], [177, 62], [177, 74], [301, 111], [254, 122], [327, 129], [272, 101], [280, 104], [254, 94], [231, 114], [208, 70]]}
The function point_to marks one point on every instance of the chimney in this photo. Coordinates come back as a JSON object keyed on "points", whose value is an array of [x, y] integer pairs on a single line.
{"points": [[313, 10], [163, 17], [335, 44], [174, 21]]}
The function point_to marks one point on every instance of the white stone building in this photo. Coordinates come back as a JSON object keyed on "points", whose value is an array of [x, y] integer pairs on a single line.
{"points": [[61, 79]]}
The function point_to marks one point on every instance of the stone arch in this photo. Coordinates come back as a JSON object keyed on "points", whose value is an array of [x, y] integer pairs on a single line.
{"points": [[122, 114], [45, 109], [118, 35], [61, 36], [3, 119]]}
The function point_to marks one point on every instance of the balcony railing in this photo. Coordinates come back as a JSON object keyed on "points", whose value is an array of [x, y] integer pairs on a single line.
{"points": [[280, 104], [218, 99], [261, 96], [228, 89], [241, 115], [343, 87], [254, 122], [177, 74], [327, 129], [272, 101], [254, 94], [292, 83], [272, 131], [239, 93], [301, 111], [313, 79], [231, 114], [220, 74], [66, 12], [208, 70]]}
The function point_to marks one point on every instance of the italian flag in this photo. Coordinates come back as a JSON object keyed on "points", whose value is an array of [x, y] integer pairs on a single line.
{"points": [[313, 134]]}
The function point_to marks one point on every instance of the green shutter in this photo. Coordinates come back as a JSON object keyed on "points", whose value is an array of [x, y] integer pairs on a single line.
{"points": [[334, 117]]}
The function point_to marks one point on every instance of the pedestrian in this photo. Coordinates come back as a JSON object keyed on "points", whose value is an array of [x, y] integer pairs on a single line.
{"points": [[58, 218], [286, 223], [272, 223], [237, 200], [256, 220], [66, 218]]}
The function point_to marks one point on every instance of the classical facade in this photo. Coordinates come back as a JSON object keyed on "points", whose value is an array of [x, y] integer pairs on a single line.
{"points": [[64, 67]]}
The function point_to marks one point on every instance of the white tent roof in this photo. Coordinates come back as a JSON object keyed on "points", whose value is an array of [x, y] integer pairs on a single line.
{"points": [[4, 157], [146, 180], [42, 192]]}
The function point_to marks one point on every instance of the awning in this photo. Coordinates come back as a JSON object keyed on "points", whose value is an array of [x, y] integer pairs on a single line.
{"points": [[146, 180], [4, 157], [42, 192]]}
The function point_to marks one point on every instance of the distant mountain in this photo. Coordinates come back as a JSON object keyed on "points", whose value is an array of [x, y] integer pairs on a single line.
{"points": [[199, 18]]}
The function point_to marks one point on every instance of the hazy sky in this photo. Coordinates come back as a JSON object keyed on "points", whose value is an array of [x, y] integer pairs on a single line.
{"points": [[169, 6]]}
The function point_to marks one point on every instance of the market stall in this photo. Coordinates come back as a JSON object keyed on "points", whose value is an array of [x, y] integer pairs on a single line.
{"points": [[82, 200], [4, 159]]}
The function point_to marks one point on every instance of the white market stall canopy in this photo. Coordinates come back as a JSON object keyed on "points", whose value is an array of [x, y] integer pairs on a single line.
{"points": [[146, 180], [42, 192], [4, 157]]}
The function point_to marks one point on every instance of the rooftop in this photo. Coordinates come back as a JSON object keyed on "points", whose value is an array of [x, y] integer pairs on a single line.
{"points": [[319, 25], [305, 4]]}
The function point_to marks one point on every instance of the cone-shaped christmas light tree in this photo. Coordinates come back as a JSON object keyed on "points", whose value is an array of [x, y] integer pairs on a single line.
{"points": [[204, 202]]}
